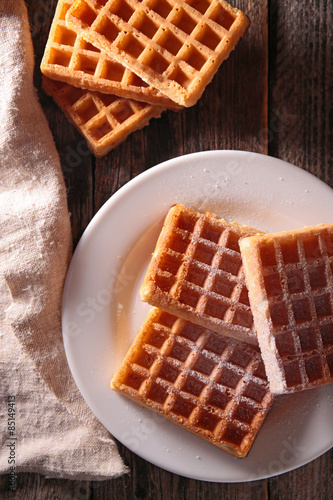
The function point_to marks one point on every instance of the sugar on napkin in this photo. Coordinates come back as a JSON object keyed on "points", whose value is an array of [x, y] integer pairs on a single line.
{"points": [[52, 431]]}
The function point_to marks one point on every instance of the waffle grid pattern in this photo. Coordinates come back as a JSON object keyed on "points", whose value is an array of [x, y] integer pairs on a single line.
{"points": [[69, 58], [197, 273], [174, 45], [298, 278], [206, 382], [104, 120]]}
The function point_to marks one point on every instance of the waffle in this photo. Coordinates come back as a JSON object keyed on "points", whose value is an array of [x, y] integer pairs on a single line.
{"points": [[103, 119], [290, 282], [174, 45], [196, 273], [69, 58], [211, 385]]}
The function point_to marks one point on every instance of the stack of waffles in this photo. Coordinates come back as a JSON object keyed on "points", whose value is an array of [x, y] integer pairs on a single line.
{"points": [[238, 316], [196, 359], [113, 65]]}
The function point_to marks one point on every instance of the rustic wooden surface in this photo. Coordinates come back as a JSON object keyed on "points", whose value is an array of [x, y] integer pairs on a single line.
{"points": [[272, 96]]}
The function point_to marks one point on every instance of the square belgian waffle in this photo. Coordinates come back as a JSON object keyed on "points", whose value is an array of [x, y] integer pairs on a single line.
{"points": [[290, 281], [104, 120], [196, 273], [174, 45], [210, 384], [69, 58]]}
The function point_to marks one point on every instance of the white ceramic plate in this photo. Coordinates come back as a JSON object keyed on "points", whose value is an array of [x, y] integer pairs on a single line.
{"points": [[102, 311]]}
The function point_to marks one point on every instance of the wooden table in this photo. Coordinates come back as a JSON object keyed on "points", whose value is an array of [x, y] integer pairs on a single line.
{"points": [[272, 96]]}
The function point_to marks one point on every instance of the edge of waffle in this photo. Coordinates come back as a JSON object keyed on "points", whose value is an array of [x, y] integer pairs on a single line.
{"points": [[104, 120], [290, 281], [155, 374], [174, 45], [69, 58], [196, 273]]}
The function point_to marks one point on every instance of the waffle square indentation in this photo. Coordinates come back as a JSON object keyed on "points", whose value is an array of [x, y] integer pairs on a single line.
{"points": [[222, 17], [216, 308], [229, 378], [273, 284], [307, 337], [255, 391], [267, 255], [204, 365], [219, 399], [215, 344], [199, 5], [144, 359], [191, 332], [292, 373], [231, 263], [245, 412], [204, 253], [193, 385], [156, 338], [179, 352], [134, 380], [208, 421], [326, 332], [108, 29], [279, 313], [289, 250], [101, 128], [285, 344], [234, 434], [179, 242], [189, 296], [168, 372], [182, 407], [302, 310], [208, 37], [157, 393], [295, 281], [242, 317], [323, 305], [313, 368]]}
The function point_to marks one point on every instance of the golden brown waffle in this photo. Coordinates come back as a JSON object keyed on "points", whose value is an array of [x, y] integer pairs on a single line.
{"points": [[210, 384], [103, 119], [290, 281], [174, 45], [69, 58], [196, 273]]}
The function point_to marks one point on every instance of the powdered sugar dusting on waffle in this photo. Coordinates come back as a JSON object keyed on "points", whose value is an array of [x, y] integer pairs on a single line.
{"points": [[290, 280], [210, 384], [196, 272]]}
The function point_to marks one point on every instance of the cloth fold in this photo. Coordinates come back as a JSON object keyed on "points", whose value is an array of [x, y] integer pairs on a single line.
{"points": [[57, 434]]}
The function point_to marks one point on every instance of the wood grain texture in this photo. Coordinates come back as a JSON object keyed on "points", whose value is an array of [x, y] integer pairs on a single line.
{"points": [[300, 82], [273, 95]]}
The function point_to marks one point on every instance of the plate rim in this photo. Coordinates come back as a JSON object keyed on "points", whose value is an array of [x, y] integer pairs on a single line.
{"points": [[134, 183]]}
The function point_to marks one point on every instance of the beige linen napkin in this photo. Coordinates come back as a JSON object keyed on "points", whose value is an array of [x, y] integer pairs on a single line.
{"points": [[51, 430]]}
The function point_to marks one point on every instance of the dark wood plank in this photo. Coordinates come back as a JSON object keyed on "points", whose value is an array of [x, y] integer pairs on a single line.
{"points": [[300, 58], [313, 481], [32, 486]]}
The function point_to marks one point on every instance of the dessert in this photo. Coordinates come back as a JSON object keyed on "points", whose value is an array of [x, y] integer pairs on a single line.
{"points": [[210, 384], [174, 45], [69, 58], [196, 273], [290, 280], [104, 120]]}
